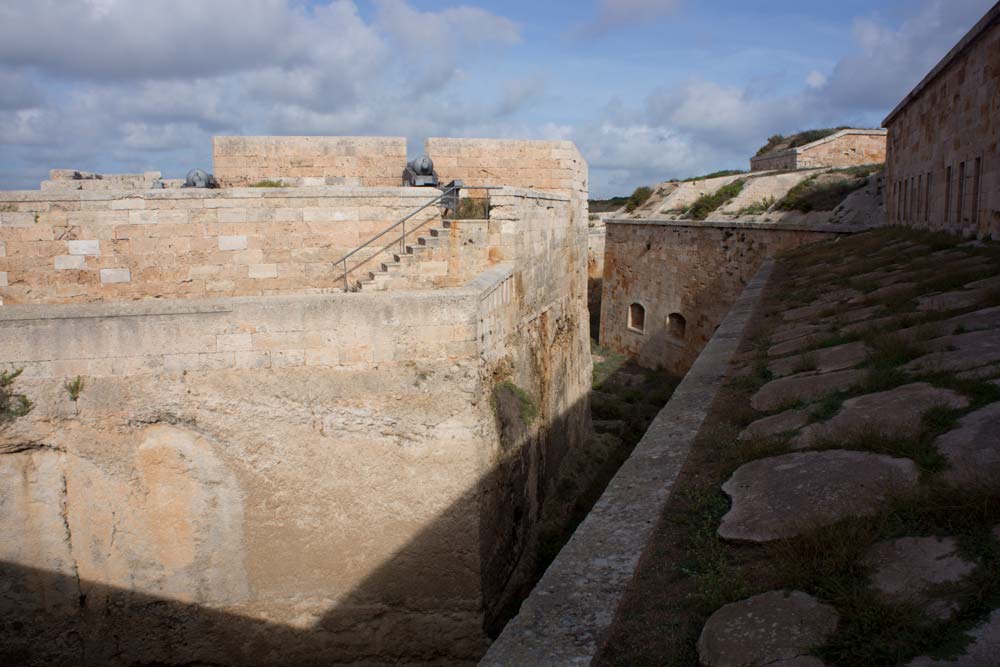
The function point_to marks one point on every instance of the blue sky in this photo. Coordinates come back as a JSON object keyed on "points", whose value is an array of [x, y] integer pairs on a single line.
{"points": [[648, 89]]}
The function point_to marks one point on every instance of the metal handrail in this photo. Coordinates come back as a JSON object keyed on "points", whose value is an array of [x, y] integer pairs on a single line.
{"points": [[448, 191]]}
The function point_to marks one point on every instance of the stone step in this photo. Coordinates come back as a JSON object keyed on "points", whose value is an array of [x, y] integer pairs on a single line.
{"points": [[432, 242], [439, 232], [391, 267]]}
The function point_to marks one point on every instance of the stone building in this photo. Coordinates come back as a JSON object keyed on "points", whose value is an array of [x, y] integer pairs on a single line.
{"points": [[943, 167], [261, 468], [844, 148]]}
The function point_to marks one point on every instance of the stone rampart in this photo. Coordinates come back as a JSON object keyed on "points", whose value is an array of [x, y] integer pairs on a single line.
{"points": [[668, 284], [943, 169], [357, 161], [74, 246], [845, 148], [284, 479]]}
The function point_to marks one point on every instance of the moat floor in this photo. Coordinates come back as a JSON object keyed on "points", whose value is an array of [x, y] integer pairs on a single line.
{"points": [[842, 503]]}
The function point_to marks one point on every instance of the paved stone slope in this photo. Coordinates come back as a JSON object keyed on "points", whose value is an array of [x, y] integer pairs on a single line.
{"points": [[880, 366]]}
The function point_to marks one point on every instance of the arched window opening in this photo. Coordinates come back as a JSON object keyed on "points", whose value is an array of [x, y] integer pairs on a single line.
{"points": [[676, 326], [637, 318]]}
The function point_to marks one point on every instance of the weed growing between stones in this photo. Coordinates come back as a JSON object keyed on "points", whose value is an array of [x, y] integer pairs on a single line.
{"points": [[12, 404], [74, 388]]}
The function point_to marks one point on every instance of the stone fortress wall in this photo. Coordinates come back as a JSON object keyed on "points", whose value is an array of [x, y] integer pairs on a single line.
{"points": [[943, 169], [682, 278], [280, 477], [846, 148], [72, 246], [364, 161]]}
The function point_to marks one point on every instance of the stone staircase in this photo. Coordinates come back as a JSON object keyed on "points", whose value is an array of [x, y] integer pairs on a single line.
{"points": [[418, 266]]}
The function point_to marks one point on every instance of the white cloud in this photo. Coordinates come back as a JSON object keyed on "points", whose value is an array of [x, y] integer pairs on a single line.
{"points": [[816, 79]]}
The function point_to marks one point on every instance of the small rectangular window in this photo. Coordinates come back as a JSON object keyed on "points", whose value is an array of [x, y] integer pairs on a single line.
{"points": [[947, 194], [927, 197], [977, 176], [637, 318], [961, 192]]}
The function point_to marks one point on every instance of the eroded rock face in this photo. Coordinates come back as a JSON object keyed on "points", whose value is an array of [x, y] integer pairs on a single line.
{"points": [[776, 628], [784, 496], [973, 448], [896, 412], [908, 570], [170, 524]]}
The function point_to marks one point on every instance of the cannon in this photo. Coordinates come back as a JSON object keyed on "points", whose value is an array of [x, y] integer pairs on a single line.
{"points": [[419, 173], [199, 178]]}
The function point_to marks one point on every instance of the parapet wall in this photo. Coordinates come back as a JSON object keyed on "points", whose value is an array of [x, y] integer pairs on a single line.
{"points": [[682, 278], [357, 161], [845, 148], [58, 247]]}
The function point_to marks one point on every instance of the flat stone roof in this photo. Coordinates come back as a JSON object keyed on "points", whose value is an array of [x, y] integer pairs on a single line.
{"points": [[992, 17]]}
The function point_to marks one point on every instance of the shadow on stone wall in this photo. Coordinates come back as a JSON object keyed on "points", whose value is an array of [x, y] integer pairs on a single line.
{"points": [[404, 612]]}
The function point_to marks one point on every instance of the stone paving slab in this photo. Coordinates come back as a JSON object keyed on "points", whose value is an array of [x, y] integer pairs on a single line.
{"points": [[784, 496], [896, 412], [984, 651], [812, 311], [958, 352], [805, 387], [963, 298], [793, 331], [885, 292], [824, 360], [789, 420], [907, 570], [856, 315], [779, 627], [973, 447], [792, 346]]}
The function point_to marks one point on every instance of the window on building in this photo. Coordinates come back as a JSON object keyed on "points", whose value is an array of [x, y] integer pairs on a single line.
{"points": [[977, 176], [927, 197], [637, 318], [676, 326], [961, 192], [947, 194], [920, 190]]}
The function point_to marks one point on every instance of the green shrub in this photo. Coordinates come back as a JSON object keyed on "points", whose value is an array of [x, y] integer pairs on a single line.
{"points": [[472, 208], [607, 205], [268, 184], [638, 198], [704, 205], [74, 388], [812, 195], [12, 405]]}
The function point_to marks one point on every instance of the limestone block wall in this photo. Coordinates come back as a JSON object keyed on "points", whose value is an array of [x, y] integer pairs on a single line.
{"points": [[58, 247], [534, 334], [846, 148], [73, 179], [682, 277], [288, 480], [943, 169], [775, 161], [359, 161], [246, 481]]}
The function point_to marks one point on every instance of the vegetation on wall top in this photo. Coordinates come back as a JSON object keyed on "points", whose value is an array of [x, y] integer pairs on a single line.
{"points": [[779, 142]]}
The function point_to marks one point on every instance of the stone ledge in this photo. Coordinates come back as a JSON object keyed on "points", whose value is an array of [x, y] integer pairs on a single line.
{"points": [[310, 191], [571, 609], [733, 224]]}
